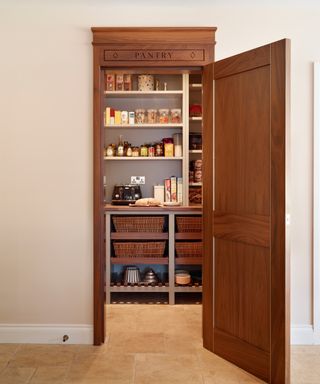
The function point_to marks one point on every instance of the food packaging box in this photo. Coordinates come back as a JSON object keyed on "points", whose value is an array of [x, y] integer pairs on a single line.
{"points": [[167, 187], [117, 117], [158, 192], [179, 190], [173, 189], [109, 82], [119, 82]]}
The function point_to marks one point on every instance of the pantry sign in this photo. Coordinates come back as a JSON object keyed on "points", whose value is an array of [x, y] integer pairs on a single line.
{"points": [[155, 55]]}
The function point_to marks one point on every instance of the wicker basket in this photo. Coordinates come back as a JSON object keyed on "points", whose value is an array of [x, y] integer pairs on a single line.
{"points": [[138, 223], [189, 223], [189, 249], [139, 249]]}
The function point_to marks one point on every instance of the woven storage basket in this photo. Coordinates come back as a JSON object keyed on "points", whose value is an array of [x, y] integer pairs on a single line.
{"points": [[139, 249], [189, 223], [189, 249], [138, 223]]}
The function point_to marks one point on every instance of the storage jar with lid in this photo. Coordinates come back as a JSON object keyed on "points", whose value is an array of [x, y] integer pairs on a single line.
{"points": [[151, 116], [163, 116], [175, 115], [140, 116]]}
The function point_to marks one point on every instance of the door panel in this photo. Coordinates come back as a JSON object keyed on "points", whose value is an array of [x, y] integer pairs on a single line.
{"points": [[242, 135], [250, 316], [245, 301]]}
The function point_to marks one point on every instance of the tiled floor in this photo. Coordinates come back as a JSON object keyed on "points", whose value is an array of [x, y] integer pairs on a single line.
{"points": [[146, 345]]}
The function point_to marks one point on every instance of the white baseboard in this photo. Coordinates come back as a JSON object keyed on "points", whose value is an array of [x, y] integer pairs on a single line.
{"points": [[83, 334], [302, 335], [46, 333]]}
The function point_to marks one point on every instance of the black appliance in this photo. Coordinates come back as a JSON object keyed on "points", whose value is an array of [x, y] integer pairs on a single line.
{"points": [[125, 194]]}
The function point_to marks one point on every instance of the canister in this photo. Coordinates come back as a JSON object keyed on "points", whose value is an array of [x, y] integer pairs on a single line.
{"points": [[177, 141], [145, 83]]}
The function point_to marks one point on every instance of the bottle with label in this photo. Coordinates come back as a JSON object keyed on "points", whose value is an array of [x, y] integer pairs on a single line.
{"points": [[120, 150]]}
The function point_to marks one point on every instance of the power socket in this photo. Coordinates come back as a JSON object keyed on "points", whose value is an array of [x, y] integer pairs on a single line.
{"points": [[135, 180]]}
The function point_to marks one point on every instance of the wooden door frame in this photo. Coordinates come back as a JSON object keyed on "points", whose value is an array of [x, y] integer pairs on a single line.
{"points": [[114, 47]]}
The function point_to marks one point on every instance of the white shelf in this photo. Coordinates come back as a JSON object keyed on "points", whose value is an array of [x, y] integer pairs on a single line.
{"points": [[195, 184], [195, 86], [142, 93], [170, 125], [195, 151], [195, 118], [112, 158]]}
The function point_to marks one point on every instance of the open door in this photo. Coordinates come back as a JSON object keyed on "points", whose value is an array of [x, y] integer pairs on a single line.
{"points": [[246, 304]]}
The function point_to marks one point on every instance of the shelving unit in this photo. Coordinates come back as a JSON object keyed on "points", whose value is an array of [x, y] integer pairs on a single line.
{"points": [[195, 151], [165, 266], [181, 91]]}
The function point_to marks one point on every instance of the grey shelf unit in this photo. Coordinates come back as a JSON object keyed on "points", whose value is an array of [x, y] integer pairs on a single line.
{"points": [[171, 289]]}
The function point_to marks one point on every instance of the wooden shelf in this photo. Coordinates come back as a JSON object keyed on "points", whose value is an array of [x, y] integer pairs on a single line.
{"points": [[195, 150], [195, 118], [195, 184], [139, 94], [115, 158], [188, 288], [188, 260], [156, 125], [188, 236], [139, 236], [140, 260], [137, 288]]}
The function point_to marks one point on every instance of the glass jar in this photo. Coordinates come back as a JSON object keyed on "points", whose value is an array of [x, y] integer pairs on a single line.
{"points": [[159, 149], [129, 151], [175, 115], [110, 150], [143, 151], [151, 151], [163, 116], [135, 152], [152, 116], [140, 116]]}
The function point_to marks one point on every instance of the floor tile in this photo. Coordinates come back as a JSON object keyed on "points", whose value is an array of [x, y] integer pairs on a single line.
{"points": [[137, 342], [16, 375], [164, 369], [41, 355], [8, 348], [109, 368], [49, 375]]}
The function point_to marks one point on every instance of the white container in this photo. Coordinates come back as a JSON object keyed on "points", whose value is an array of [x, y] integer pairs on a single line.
{"points": [[158, 192], [124, 117], [177, 140], [131, 118]]}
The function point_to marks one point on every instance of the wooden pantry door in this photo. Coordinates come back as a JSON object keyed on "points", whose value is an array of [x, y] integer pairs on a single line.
{"points": [[246, 266]]}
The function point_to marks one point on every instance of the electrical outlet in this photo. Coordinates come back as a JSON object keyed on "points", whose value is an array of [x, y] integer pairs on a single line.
{"points": [[138, 179]]}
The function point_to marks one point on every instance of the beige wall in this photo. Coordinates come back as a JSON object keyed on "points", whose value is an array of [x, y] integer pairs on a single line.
{"points": [[46, 140]]}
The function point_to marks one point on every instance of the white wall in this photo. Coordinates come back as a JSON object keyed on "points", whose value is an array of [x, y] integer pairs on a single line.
{"points": [[46, 139]]}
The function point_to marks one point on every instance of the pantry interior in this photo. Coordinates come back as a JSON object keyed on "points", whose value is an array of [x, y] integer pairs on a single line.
{"points": [[153, 255]]}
